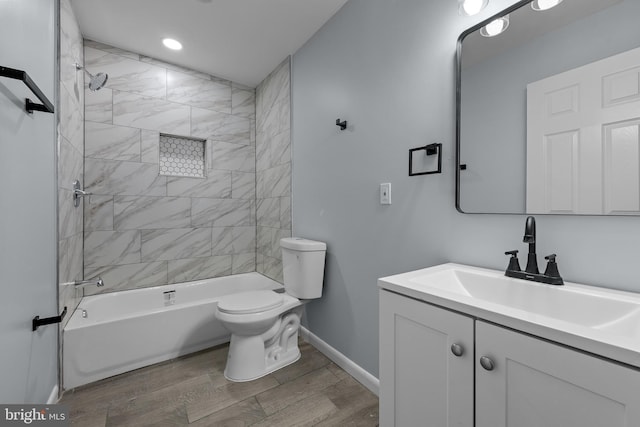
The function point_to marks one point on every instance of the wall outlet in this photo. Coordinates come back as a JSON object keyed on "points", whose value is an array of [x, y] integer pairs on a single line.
{"points": [[385, 193]]}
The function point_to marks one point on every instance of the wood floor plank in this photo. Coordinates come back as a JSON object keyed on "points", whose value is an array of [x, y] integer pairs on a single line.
{"points": [[220, 398], [241, 414], [310, 361], [296, 390], [306, 412], [168, 402], [193, 389]]}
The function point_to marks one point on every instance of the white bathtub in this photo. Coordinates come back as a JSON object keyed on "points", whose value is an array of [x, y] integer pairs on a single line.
{"points": [[130, 329]]}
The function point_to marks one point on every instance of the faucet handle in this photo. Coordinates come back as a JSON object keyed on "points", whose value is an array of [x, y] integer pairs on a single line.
{"points": [[514, 264], [552, 268]]}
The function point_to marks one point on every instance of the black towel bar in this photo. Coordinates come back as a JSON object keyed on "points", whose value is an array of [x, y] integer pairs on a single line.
{"points": [[30, 106]]}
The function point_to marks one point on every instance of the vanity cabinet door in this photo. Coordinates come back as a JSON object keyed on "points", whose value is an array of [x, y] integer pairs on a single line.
{"points": [[422, 382], [535, 383]]}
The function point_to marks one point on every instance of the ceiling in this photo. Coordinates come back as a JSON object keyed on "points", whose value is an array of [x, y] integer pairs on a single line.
{"points": [[238, 40]]}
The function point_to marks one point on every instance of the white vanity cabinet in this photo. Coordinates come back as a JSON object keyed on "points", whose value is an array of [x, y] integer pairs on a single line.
{"points": [[503, 378], [421, 382]]}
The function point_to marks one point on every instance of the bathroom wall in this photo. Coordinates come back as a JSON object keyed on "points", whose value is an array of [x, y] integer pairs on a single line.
{"points": [[388, 68], [145, 229], [273, 168], [70, 158], [28, 242]]}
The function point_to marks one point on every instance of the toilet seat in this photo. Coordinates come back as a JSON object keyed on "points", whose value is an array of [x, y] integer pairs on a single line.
{"points": [[250, 302]]}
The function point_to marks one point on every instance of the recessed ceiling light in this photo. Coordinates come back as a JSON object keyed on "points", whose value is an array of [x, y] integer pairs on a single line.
{"points": [[495, 27], [471, 7], [172, 44], [544, 4]]}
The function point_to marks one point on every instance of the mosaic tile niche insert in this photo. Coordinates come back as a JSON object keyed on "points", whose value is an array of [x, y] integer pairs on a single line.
{"points": [[182, 156]]}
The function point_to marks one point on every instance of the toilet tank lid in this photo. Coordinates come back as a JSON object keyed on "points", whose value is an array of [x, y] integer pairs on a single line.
{"points": [[300, 244]]}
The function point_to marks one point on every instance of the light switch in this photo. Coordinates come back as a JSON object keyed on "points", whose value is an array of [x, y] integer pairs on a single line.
{"points": [[385, 193]]}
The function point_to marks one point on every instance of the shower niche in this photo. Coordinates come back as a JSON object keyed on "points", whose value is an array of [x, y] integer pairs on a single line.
{"points": [[182, 156]]}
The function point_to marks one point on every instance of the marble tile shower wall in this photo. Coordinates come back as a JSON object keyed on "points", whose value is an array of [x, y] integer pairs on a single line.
{"points": [[143, 229], [70, 158], [273, 168]]}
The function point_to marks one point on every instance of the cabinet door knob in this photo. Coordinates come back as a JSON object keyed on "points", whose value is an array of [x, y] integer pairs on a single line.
{"points": [[487, 363], [457, 349]]}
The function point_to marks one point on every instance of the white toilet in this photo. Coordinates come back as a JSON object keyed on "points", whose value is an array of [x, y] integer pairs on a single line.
{"points": [[264, 324]]}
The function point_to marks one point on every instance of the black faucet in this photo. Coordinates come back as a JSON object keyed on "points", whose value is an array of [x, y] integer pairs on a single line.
{"points": [[551, 275], [530, 238]]}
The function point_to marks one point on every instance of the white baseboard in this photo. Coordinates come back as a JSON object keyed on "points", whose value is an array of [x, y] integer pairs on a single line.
{"points": [[362, 376], [53, 397]]}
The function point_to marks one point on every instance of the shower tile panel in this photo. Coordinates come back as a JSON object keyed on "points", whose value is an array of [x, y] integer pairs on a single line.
{"points": [[104, 248], [69, 217], [70, 117], [98, 106], [234, 157], [220, 126], [70, 50], [199, 92], [105, 141], [217, 185], [111, 49], [268, 212], [130, 276], [244, 239], [174, 67], [222, 240], [275, 182], [143, 229], [185, 270], [221, 212], [127, 74], [70, 259], [69, 164], [285, 213], [137, 213], [243, 263], [243, 102], [280, 149], [172, 244], [243, 185], [149, 146], [274, 88], [142, 112], [123, 178], [98, 213]]}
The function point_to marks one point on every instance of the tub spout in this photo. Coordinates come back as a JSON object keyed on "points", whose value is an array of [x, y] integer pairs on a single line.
{"points": [[81, 284]]}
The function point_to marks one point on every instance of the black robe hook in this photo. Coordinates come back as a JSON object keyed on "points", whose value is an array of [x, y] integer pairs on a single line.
{"points": [[343, 124]]}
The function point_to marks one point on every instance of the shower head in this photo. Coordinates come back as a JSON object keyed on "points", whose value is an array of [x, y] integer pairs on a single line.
{"points": [[96, 82]]}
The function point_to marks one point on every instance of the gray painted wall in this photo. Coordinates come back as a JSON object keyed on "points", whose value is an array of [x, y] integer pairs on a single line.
{"points": [[28, 360], [388, 68]]}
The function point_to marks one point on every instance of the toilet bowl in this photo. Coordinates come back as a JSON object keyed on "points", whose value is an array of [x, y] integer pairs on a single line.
{"points": [[264, 324]]}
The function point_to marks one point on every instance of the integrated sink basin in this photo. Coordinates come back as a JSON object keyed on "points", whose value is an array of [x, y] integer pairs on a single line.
{"points": [[590, 318]]}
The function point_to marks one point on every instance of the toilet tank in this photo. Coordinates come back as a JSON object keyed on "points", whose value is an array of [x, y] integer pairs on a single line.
{"points": [[303, 267]]}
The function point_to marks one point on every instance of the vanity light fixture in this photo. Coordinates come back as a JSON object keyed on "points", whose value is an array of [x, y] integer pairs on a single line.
{"points": [[471, 7], [540, 5], [172, 44], [495, 27]]}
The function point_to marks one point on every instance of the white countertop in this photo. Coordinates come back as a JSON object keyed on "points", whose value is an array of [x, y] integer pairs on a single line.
{"points": [[601, 321]]}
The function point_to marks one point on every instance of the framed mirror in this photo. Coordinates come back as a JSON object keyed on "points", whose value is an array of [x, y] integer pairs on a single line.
{"points": [[548, 110]]}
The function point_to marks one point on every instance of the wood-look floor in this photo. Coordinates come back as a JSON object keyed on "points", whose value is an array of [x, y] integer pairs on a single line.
{"points": [[192, 391]]}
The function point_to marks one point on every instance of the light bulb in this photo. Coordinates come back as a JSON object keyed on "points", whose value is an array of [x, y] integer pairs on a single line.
{"points": [[471, 7], [544, 4], [495, 27]]}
